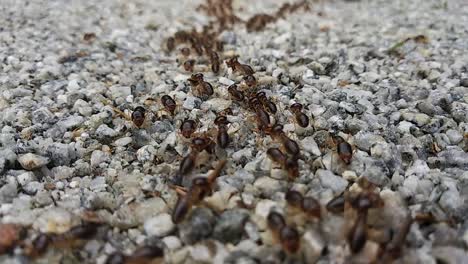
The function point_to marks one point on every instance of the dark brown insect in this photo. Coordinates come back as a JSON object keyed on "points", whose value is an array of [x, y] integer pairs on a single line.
{"points": [[290, 145], [146, 255], [336, 205], [189, 65], [267, 104], [185, 167], [185, 51], [357, 237], [182, 207], [219, 45], [393, 250], [235, 93], [138, 116], [9, 236], [263, 119], [170, 44], [236, 66], [301, 118], [116, 258], [294, 199], [311, 207], [276, 155], [89, 37], [201, 187], [38, 246], [275, 221], [292, 167], [187, 128], [168, 103], [250, 80], [201, 88], [259, 22], [222, 136], [290, 239], [344, 149]]}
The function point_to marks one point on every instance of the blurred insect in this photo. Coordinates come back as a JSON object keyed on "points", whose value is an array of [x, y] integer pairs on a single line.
{"points": [[301, 118], [200, 88], [189, 65], [169, 104], [222, 136], [235, 93], [307, 205], [288, 236], [236, 66], [142, 255], [289, 164], [267, 104], [188, 127], [201, 187], [138, 116]]}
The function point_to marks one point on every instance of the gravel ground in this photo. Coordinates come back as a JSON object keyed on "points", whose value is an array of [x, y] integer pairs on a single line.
{"points": [[390, 77]]}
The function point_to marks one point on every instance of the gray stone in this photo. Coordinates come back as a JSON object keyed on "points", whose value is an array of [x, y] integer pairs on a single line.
{"points": [[198, 226], [330, 180], [32, 161], [230, 226]]}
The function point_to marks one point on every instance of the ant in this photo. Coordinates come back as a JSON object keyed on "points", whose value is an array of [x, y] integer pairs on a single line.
{"points": [[142, 255], [201, 187], [188, 162], [263, 119], [168, 103], [268, 104], [201, 88], [250, 81], [301, 118], [187, 128], [138, 116], [276, 132], [288, 236], [222, 137], [75, 237], [344, 149], [289, 164], [236, 66], [308, 205], [189, 65], [235, 93], [214, 59]]}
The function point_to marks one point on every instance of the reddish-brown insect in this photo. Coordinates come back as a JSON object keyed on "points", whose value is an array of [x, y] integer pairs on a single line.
{"points": [[138, 116], [201, 187], [290, 145], [357, 237], [250, 80], [268, 104], [201, 88], [292, 167], [235, 93], [344, 149], [290, 239], [263, 119], [311, 207], [336, 205], [276, 155], [236, 66], [9, 236], [168, 103], [222, 137], [170, 44], [188, 127], [185, 51], [294, 199], [301, 118], [189, 65]]}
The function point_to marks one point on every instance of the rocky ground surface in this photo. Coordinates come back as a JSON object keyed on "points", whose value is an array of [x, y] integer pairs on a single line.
{"points": [[391, 77]]}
